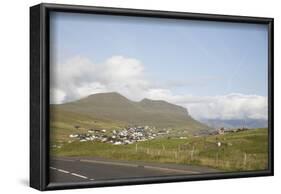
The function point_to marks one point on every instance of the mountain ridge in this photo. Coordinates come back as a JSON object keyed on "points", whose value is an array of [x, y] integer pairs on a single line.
{"points": [[115, 106]]}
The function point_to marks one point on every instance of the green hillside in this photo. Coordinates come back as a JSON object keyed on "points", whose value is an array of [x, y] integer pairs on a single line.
{"points": [[63, 123], [112, 110]]}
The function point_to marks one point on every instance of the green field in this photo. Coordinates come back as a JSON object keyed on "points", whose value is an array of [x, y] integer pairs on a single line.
{"points": [[240, 151], [62, 124]]}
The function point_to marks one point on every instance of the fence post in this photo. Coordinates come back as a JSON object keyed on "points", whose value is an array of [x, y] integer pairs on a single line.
{"points": [[176, 155], [217, 158], [191, 153], [245, 160]]}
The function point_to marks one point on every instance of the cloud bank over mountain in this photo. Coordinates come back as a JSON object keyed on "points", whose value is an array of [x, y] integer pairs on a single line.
{"points": [[79, 77]]}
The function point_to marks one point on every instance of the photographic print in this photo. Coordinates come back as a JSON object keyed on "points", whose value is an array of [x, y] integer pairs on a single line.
{"points": [[136, 96]]}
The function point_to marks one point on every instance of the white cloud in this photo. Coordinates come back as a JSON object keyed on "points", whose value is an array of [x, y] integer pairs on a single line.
{"points": [[68, 77], [231, 106], [79, 77], [57, 96], [121, 68], [91, 88]]}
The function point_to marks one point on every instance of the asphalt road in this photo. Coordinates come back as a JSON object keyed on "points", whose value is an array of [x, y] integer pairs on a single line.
{"points": [[63, 170]]}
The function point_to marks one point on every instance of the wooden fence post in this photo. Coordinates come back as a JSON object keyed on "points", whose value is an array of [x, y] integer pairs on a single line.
{"points": [[176, 155], [245, 160], [191, 153], [217, 158]]}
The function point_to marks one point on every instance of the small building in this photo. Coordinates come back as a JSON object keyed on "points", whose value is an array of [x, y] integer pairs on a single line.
{"points": [[73, 135], [221, 131]]}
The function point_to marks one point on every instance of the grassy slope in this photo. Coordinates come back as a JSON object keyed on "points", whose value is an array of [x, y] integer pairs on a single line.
{"points": [[239, 151], [115, 107], [62, 124]]}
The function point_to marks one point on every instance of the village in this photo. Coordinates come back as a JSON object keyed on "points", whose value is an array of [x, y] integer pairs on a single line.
{"points": [[130, 135], [124, 136]]}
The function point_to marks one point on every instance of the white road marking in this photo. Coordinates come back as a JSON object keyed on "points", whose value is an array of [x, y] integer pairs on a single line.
{"points": [[78, 175], [64, 171], [67, 172]]}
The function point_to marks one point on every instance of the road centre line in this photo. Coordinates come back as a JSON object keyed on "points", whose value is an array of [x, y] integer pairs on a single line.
{"points": [[64, 171], [78, 175], [67, 172]]}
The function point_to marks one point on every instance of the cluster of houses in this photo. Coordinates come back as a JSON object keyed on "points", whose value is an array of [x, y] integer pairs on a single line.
{"points": [[126, 135], [222, 131], [134, 134]]}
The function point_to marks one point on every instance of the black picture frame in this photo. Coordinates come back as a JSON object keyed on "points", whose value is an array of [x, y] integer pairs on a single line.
{"points": [[39, 93]]}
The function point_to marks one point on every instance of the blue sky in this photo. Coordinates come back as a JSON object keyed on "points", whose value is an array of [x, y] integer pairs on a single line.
{"points": [[197, 58]]}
